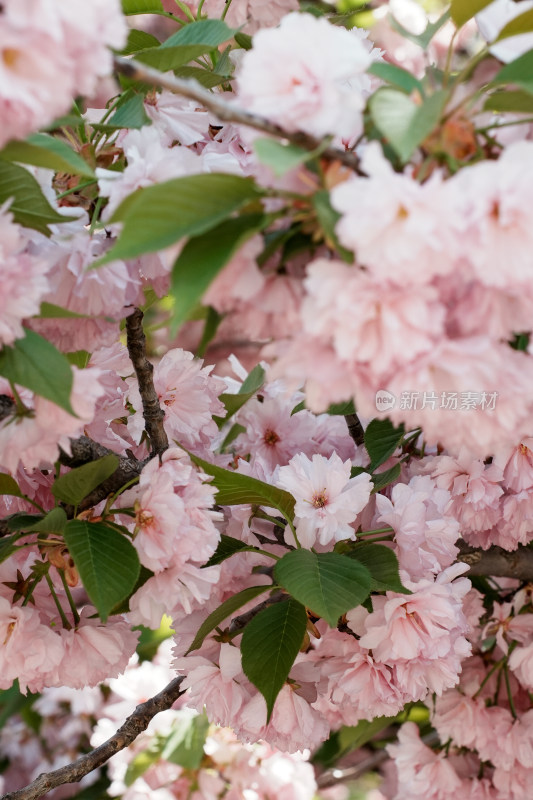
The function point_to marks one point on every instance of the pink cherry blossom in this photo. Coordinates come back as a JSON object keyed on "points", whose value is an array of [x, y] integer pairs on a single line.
{"points": [[401, 229], [425, 533], [306, 75], [421, 772], [475, 490], [327, 499], [51, 52], [24, 279], [189, 395]]}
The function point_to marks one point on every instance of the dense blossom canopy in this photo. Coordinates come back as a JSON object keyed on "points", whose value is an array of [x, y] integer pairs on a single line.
{"points": [[266, 391]]}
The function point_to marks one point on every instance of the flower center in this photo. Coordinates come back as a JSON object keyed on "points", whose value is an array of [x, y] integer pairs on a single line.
{"points": [[144, 518], [320, 499], [270, 437], [10, 56]]}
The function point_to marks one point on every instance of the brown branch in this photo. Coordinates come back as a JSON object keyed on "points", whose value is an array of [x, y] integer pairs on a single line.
{"points": [[83, 451], [240, 622], [152, 411], [497, 562], [355, 428], [229, 111], [126, 734]]}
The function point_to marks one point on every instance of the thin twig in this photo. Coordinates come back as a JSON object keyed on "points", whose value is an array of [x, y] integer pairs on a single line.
{"points": [[152, 411], [126, 734], [229, 111], [335, 775]]}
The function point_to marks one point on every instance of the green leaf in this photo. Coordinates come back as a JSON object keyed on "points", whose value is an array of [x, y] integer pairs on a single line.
{"points": [[42, 150], [519, 72], [22, 520], [143, 761], [396, 76], [51, 311], [185, 745], [233, 402], [124, 606], [130, 114], [12, 701], [235, 489], [203, 257], [227, 609], [158, 216], [227, 547], [280, 157], [353, 737], [422, 39], [341, 409], [141, 7], [329, 584], [139, 40], [244, 40], [328, 218], [29, 206], [53, 522], [381, 440], [211, 32], [382, 564], [521, 24], [8, 485], [35, 363], [165, 59], [253, 381], [7, 546], [502, 100], [204, 77], [76, 484], [402, 122], [383, 479], [78, 358], [463, 10], [107, 562], [232, 434], [269, 646]]}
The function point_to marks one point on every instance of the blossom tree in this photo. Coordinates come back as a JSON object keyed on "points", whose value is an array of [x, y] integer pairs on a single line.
{"points": [[266, 390]]}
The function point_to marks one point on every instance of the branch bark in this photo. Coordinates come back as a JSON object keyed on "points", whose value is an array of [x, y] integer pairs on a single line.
{"points": [[152, 411], [83, 451], [126, 734], [228, 111], [499, 563], [355, 429]]}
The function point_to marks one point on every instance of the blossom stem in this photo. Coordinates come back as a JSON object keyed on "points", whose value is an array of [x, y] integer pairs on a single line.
{"points": [[487, 677], [509, 692], [186, 10], [388, 529], [70, 599], [64, 620]]}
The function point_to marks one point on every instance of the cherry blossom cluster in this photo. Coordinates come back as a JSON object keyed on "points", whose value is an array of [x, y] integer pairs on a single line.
{"points": [[369, 263]]}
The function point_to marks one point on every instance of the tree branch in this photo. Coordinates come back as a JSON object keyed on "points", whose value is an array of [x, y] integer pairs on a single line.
{"points": [[83, 451], [238, 623], [228, 111], [152, 411], [499, 563], [355, 429], [126, 734]]}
